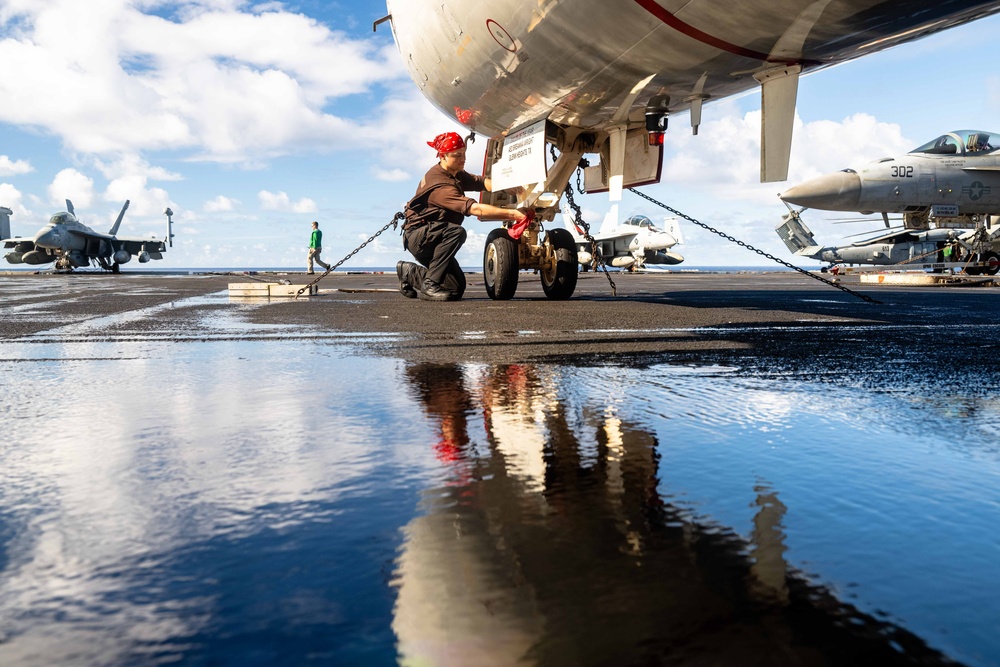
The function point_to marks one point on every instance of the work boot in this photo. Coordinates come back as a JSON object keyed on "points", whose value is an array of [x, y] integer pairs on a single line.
{"points": [[405, 288], [431, 291]]}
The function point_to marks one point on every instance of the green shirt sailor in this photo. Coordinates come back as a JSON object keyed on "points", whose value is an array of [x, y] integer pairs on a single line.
{"points": [[315, 247]]}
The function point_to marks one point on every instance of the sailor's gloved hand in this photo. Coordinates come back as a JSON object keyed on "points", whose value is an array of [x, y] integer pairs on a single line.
{"points": [[515, 230]]}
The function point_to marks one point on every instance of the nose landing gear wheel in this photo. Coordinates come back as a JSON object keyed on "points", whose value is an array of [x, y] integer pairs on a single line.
{"points": [[559, 281], [992, 263], [500, 266]]}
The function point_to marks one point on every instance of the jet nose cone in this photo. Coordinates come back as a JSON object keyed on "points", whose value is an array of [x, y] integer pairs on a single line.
{"points": [[48, 239], [840, 191]]}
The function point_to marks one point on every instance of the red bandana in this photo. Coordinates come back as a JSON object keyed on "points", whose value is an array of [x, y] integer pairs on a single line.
{"points": [[449, 142]]}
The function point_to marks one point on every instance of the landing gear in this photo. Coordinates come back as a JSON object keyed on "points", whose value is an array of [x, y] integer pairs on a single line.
{"points": [[500, 266], [559, 275], [992, 261], [555, 260]]}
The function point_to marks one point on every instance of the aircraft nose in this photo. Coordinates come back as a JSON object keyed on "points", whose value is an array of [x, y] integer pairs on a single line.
{"points": [[48, 239], [840, 191]]}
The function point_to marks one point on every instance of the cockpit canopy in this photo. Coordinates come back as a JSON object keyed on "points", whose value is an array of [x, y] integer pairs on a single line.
{"points": [[640, 221], [61, 218], [962, 142]]}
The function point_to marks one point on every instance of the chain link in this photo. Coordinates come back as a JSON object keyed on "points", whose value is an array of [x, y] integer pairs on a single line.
{"points": [[392, 223], [595, 249], [863, 297]]}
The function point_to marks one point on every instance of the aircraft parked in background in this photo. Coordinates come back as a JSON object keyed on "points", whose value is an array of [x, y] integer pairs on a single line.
{"points": [[71, 244], [947, 190], [952, 181], [630, 245], [976, 251]]}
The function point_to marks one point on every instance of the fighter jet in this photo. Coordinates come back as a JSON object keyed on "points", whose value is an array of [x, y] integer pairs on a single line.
{"points": [[72, 244], [601, 77], [947, 185], [975, 250], [631, 245], [951, 181]]}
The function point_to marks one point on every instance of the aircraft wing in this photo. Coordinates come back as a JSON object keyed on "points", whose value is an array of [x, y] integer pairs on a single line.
{"points": [[14, 240], [135, 246]]}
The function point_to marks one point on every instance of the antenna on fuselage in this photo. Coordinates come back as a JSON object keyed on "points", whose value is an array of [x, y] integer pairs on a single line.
{"points": [[69, 207], [118, 220]]}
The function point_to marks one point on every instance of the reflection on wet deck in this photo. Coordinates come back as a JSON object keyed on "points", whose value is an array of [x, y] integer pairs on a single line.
{"points": [[551, 544], [186, 482]]}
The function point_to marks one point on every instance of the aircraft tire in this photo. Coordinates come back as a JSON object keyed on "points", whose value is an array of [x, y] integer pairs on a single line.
{"points": [[992, 263], [500, 266], [560, 283]]}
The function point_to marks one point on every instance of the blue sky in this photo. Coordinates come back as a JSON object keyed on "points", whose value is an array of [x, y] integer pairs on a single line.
{"points": [[250, 120]]}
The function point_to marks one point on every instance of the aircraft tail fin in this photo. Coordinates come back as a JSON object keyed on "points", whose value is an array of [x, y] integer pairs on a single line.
{"points": [[118, 221], [570, 224], [5, 214], [610, 222], [796, 236], [672, 226]]}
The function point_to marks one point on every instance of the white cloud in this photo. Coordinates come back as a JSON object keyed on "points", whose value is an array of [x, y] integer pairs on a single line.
{"points": [[128, 179], [219, 204], [73, 185], [219, 82], [11, 197], [724, 158], [391, 175], [279, 201], [10, 167]]}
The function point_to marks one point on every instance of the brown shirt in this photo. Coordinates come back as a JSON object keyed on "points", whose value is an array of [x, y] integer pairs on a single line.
{"points": [[441, 196]]}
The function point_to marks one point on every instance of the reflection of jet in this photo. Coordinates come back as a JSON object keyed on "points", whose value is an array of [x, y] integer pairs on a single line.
{"points": [[633, 244], [72, 244], [906, 248], [600, 77], [551, 543]]}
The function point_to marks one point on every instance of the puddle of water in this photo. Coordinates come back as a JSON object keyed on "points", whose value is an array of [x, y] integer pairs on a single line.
{"points": [[267, 501]]}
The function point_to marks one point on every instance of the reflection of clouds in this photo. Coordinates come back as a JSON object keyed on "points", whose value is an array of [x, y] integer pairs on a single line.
{"points": [[127, 452]]}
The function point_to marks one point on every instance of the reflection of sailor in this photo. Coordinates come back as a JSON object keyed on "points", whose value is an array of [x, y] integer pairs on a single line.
{"points": [[556, 550], [442, 391], [433, 231]]}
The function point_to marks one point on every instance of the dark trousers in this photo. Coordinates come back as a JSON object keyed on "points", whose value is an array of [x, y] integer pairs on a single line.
{"points": [[435, 245]]}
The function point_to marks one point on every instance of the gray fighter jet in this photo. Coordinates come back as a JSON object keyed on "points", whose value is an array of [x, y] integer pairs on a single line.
{"points": [[974, 251], [952, 181], [71, 244], [947, 190]]}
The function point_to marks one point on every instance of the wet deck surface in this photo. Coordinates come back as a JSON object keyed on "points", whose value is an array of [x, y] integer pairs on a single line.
{"points": [[651, 314], [706, 469]]}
